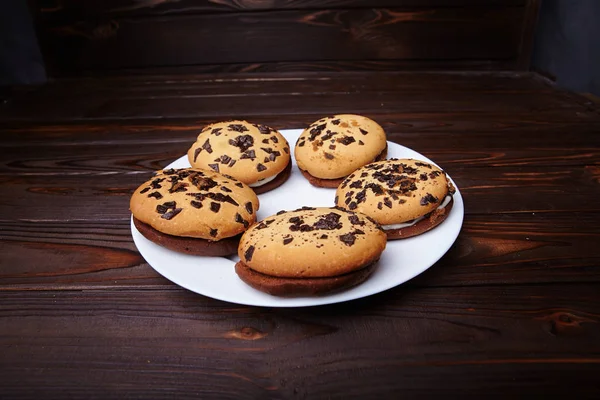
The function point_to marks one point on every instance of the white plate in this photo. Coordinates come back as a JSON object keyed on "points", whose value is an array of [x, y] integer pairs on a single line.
{"points": [[215, 276]]}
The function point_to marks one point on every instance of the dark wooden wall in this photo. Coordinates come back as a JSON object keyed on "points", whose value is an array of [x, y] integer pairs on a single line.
{"points": [[100, 36]]}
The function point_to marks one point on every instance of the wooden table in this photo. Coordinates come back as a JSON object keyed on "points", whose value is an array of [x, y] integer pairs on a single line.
{"points": [[513, 309]]}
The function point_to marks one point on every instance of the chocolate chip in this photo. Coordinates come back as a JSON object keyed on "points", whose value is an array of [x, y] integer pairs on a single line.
{"points": [[240, 220], [336, 122], [287, 240], [243, 142], [237, 128], [214, 207], [144, 190], [203, 183], [274, 139], [323, 236], [239, 184], [172, 213], [224, 159], [169, 171], [316, 131], [264, 129], [214, 232], [329, 221], [352, 206], [335, 200], [196, 152], [362, 131], [361, 143], [434, 174], [232, 163], [265, 141], [421, 164], [354, 220], [356, 184], [401, 201], [328, 135], [250, 154], [260, 167], [377, 189], [423, 177], [348, 239], [222, 198], [196, 204], [328, 156], [281, 212], [156, 195], [301, 144], [428, 198], [295, 220], [387, 202], [379, 205], [273, 156], [346, 140], [226, 189], [215, 167], [216, 131], [178, 187], [155, 184], [286, 150], [332, 147], [206, 146], [249, 207], [262, 225], [248, 253]]}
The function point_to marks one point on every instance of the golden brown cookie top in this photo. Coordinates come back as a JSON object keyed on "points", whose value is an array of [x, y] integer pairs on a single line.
{"points": [[312, 242], [248, 152], [333, 147], [394, 191], [195, 203]]}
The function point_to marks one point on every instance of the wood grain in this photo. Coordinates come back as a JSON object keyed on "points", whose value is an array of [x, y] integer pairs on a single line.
{"points": [[174, 343], [521, 248], [78, 9], [469, 33]]}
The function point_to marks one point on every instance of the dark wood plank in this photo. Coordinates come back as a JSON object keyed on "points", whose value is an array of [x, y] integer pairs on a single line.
{"points": [[85, 149], [516, 341], [475, 33], [204, 97], [497, 249], [105, 196], [78, 9]]}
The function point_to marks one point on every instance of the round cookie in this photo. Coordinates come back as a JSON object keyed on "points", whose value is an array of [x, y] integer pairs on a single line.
{"points": [[257, 155], [406, 196], [309, 251], [194, 211], [333, 147]]}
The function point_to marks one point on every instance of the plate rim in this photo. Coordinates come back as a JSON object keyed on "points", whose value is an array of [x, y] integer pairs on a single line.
{"points": [[309, 301]]}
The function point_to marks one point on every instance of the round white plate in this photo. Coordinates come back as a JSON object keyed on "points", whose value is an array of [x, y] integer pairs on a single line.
{"points": [[215, 276]]}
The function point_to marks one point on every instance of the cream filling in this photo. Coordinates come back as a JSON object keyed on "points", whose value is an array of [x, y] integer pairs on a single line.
{"points": [[414, 221], [261, 182]]}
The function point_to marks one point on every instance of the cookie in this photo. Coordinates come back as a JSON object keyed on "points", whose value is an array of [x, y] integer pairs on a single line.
{"points": [[194, 211], [406, 196], [310, 251], [256, 155], [333, 147]]}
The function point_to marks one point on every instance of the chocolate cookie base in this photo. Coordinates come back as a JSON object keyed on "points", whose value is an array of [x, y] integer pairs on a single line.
{"points": [[294, 287], [187, 245], [424, 225], [278, 181], [334, 183]]}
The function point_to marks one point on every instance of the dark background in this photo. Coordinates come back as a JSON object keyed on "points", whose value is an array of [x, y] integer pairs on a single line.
{"points": [[566, 47]]}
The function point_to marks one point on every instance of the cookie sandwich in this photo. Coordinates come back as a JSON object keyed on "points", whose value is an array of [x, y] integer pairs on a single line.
{"points": [[256, 155], [407, 197], [310, 251], [194, 211], [331, 148]]}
